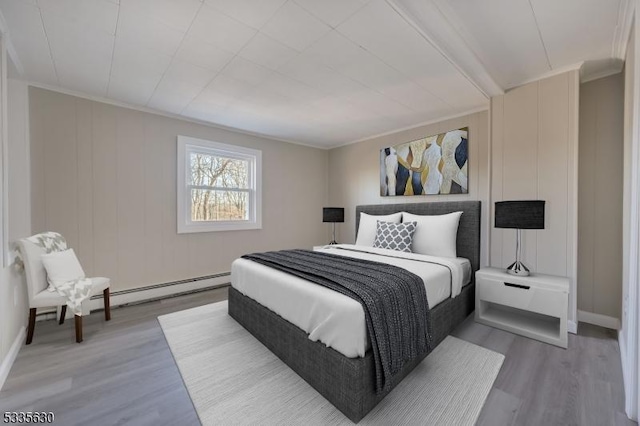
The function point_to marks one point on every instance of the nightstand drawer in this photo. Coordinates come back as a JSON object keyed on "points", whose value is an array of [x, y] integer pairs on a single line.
{"points": [[522, 296]]}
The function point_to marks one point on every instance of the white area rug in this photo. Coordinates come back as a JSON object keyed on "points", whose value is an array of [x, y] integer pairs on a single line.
{"points": [[233, 379]]}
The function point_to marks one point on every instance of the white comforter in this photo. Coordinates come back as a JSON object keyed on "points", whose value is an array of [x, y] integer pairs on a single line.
{"points": [[333, 318]]}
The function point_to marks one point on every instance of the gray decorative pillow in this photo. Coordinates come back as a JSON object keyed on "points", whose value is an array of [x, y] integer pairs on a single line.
{"points": [[395, 236]]}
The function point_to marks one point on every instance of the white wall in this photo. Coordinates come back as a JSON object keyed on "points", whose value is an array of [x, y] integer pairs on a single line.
{"points": [[354, 173], [534, 151], [600, 197], [105, 178], [13, 303]]}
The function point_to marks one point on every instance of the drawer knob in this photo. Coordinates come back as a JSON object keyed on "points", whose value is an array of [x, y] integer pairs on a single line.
{"points": [[524, 287]]}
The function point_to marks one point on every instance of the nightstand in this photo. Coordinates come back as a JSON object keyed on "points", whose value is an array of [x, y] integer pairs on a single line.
{"points": [[535, 306]]}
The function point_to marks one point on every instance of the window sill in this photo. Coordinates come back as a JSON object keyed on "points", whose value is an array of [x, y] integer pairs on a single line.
{"points": [[218, 227]]}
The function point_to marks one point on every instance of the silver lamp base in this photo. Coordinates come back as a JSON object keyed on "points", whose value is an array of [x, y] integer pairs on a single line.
{"points": [[333, 240], [518, 268]]}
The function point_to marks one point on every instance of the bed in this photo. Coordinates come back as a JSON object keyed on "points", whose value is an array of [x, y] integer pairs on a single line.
{"points": [[348, 382]]}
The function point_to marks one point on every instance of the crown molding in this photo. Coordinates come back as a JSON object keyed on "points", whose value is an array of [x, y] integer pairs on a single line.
{"points": [[413, 126], [432, 22], [623, 29], [610, 70], [148, 110], [557, 71]]}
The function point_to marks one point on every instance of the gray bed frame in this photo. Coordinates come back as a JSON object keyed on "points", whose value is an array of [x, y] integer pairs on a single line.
{"points": [[349, 383]]}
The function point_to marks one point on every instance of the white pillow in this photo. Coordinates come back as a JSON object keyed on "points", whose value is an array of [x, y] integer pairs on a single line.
{"points": [[435, 235], [367, 229], [62, 267]]}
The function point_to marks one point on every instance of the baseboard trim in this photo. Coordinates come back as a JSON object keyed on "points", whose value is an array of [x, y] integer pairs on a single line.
{"points": [[572, 327], [8, 360], [626, 380], [598, 319], [149, 293]]}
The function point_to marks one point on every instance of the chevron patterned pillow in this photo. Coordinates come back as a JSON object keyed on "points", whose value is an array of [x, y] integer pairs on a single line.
{"points": [[395, 236]]}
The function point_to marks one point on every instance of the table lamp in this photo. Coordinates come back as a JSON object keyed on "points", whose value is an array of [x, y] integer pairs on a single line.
{"points": [[526, 214], [333, 215]]}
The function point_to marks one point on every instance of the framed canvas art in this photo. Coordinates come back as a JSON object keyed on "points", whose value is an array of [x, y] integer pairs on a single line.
{"points": [[429, 166]]}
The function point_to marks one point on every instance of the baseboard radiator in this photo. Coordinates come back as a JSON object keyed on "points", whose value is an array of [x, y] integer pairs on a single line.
{"points": [[169, 284], [151, 292]]}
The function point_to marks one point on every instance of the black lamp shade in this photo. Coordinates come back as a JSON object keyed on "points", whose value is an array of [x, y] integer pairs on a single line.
{"points": [[333, 214], [520, 214]]}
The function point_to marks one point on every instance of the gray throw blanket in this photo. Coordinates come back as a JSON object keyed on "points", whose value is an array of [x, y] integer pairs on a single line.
{"points": [[394, 302]]}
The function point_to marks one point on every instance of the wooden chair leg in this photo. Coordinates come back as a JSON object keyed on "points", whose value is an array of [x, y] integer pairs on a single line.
{"points": [[107, 304], [78, 328], [32, 325], [63, 313]]}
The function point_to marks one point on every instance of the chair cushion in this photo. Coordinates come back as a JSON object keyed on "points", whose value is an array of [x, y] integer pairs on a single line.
{"points": [[62, 266], [46, 299]]}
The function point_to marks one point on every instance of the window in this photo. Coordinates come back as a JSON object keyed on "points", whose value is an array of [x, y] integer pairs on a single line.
{"points": [[218, 186]]}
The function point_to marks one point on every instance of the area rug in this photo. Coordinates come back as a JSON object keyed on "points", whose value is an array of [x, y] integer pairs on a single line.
{"points": [[233, 379]]}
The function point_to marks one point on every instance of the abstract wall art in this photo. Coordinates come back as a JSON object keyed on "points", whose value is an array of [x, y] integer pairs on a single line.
{"points": [[429, 166]]}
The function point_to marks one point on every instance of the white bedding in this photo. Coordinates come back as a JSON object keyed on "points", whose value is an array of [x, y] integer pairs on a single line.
{"points": [[333, 318]]}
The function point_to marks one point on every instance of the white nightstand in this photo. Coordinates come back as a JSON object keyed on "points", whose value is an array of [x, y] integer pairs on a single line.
{"points": [[535, 306]]}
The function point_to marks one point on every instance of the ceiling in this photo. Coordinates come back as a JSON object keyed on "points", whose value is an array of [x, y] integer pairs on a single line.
{"points": [[322, 73]]}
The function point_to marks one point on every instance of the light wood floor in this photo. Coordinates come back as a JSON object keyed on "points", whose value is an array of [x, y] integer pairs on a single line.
{"points": [[124, 374]]}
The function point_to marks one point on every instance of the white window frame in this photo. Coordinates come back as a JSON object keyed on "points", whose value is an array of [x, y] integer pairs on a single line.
{"points": [[187, 145]]}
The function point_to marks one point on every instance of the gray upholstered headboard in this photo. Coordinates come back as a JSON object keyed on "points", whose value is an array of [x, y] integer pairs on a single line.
{"points": [[468, 244]]}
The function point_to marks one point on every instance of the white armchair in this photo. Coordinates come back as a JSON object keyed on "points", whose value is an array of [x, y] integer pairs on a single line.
{"points": [[40, 297]]}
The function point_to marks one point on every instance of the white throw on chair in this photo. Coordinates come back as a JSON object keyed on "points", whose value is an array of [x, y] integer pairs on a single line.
{"points": [[36, 274]]}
